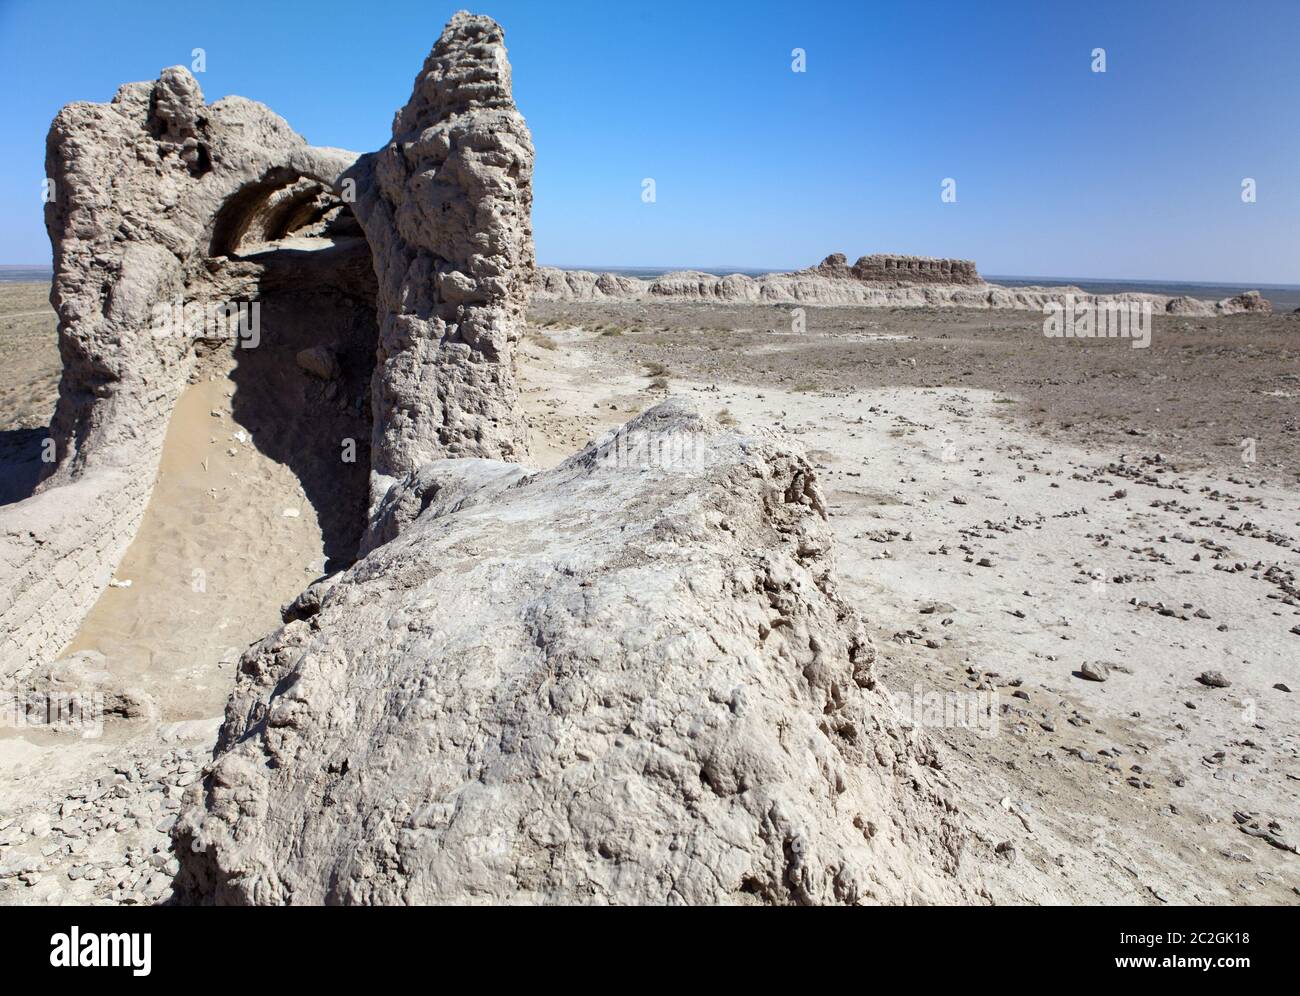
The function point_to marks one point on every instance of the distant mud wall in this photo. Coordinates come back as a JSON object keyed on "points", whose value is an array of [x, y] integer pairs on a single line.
{"points": [[894, 269]]}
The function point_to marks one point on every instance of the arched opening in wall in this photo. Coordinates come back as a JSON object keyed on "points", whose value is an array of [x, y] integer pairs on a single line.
{"points": [[291, 252], [263, 477]]}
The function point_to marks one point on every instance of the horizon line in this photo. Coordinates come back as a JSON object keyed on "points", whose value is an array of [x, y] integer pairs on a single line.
{"points": [[730, 268], [989, 276]]}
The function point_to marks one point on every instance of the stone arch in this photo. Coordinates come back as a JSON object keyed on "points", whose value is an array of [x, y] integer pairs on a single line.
{"points": [[161, 195]]}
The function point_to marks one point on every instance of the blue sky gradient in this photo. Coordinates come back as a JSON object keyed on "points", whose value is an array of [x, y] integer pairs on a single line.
{"points": [[1131, 174]]}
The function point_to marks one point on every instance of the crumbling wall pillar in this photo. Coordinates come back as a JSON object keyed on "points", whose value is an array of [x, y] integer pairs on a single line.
{"points": [[447, 208]]}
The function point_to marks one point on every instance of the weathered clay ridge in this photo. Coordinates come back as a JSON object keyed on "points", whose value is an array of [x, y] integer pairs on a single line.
{"points": [[881, 281]]}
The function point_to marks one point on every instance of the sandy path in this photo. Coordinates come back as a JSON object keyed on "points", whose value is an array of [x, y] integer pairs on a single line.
{"points": [[214, 559]]}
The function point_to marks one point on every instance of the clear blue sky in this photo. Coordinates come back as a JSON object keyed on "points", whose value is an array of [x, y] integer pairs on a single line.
{"points": [[1134, 174]]}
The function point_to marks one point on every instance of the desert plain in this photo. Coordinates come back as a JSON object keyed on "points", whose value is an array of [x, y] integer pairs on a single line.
{"points": [[1015, 517]]}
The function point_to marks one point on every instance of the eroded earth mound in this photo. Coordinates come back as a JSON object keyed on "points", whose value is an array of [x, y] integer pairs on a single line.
{"points": [[628, 679]]}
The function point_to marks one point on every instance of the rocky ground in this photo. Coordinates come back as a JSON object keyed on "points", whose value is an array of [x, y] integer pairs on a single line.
{"points": [[1020, 517], [106, 840], [1075, 583]]}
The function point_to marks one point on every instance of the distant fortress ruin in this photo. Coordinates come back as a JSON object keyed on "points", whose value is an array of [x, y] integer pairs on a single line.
{"points": [[889, 268]]}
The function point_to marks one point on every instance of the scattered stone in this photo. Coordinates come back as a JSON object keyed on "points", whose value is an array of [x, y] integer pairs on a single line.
{"points": [[929, 608], [319, 361]]}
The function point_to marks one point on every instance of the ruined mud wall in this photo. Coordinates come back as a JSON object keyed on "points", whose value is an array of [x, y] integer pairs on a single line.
{"points": [[815, 288], [153, 190], [628, 679], [138, 186]]}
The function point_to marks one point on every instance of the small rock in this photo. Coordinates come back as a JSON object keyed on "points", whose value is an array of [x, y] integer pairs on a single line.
{"points": [[20, 864], [319, 362], [1094, 672], [929, 608]]}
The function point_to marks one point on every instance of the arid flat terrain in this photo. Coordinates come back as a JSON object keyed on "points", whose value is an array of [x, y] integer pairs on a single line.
{"points": [[29, 352], [1199, 389], [29, 356], [1015, 516]]}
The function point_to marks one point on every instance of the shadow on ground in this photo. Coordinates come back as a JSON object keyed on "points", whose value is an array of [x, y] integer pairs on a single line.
{"points": [[20, 463], [318, 426]]}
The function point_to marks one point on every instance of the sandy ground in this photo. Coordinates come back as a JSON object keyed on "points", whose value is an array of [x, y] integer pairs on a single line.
{"points": [[228, 537], [1199, 389], [993, 550], [29, 356]]}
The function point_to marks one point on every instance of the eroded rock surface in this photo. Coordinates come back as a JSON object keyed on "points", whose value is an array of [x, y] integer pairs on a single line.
{"points": [[447, 207], [629, 679]]}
